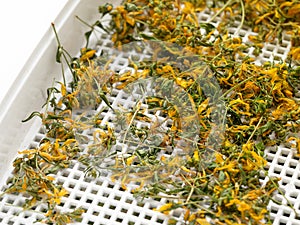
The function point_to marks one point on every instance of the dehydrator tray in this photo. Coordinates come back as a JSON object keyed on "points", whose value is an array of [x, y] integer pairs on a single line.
{"points": [[105, 201]]}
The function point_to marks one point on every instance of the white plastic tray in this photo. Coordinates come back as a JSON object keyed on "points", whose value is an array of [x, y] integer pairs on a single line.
{"points": [[106, 202], [28, 92]]}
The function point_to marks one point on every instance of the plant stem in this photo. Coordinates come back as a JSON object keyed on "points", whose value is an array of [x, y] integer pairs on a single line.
{"points": [[221, 10]]}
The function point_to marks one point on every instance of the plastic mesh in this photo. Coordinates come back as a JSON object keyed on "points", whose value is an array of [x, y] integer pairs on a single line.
{"points": [[108, 203]]}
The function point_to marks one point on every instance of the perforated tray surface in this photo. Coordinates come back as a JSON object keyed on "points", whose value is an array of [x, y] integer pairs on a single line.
{"points": [[107, 203]]}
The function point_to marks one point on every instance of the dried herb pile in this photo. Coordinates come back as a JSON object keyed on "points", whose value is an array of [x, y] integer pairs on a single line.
{"points": [[219, 108]]}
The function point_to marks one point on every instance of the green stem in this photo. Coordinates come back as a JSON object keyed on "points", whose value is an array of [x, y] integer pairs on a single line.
{"points": [[56, 35], [235, 86], [85, 23], [59, 47], [138, 106], [255, 129], [243, 18], [221, 10], [283, 195]]}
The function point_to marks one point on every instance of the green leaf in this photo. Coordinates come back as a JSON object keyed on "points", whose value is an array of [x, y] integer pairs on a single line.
{"points": [[207, 26], [104, 9], [87, 36], [50, 91], [147, 37], [100, 25], [35, 113], [103, 97], [59, 53], [130, 7]]}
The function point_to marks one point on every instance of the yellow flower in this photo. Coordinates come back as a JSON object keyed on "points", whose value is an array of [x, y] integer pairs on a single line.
{"points": [[255, 162], [230, 167], [185, 169], [217, 189], [28, 151], [253, 194], [203, 106], [251, 89], [24, 185], [232, 201], [294, 10], [219, 213], [243, 206], [258, 217], [50, 178], [248, 165], [87, 54], [202, 222], [240, 107], [187, 215], [247, 147], [59, 194], [165, 208], [130, 160], [52, 158], [49, 213], [258, 159], [238, 128], [196, 156], [297, 143], [219, 158]]}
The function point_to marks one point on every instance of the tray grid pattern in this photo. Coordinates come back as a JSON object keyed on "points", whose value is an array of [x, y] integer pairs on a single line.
{"points": [[107, 203]]}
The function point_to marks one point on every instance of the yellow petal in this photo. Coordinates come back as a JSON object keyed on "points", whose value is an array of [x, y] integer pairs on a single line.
{"points": [[294, 10], [196, 156], [63, 89], [165, 207], [130, 20], [203, 106], [130, 160], [202, 222]]}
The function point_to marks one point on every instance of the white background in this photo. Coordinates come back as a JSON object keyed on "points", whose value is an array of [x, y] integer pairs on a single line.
{"points": [[23, 24]]}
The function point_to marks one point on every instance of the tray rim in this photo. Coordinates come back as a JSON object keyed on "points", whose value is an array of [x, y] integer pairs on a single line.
{"points": [[40, 69]]}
